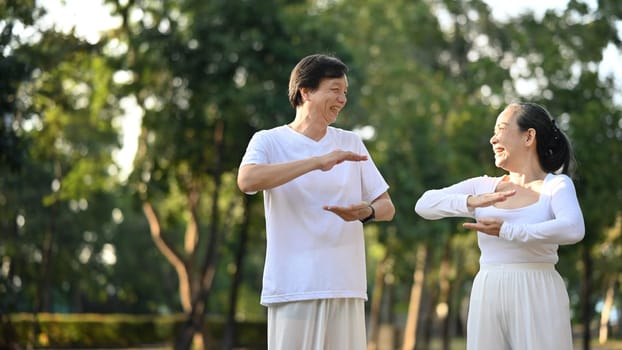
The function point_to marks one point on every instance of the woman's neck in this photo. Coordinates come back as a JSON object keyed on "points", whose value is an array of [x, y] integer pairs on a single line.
{"points": [[523, 178]]}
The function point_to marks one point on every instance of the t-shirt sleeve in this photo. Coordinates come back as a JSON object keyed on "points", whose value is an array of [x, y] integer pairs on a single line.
{"points": [[372, 182], [450, 201], [566, 227], [256, 151]]}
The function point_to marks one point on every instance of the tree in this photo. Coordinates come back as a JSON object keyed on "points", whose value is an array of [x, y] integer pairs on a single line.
{"points": [[207, 75], [56, 162], [427, 78], [461, 66]]}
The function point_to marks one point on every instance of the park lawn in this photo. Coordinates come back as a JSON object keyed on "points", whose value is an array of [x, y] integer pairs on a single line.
{"points": [[460, 344], [614, 344]]}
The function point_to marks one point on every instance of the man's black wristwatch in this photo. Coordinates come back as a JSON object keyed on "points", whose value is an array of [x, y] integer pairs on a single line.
{"points": [[371, 216]]}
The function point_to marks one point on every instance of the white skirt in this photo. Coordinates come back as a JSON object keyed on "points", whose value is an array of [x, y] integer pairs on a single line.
{"points": [[519, 307], [325, 324]]}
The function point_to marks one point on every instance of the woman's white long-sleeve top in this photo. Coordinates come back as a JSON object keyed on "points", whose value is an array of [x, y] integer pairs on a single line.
{"points": [[528, 234]]}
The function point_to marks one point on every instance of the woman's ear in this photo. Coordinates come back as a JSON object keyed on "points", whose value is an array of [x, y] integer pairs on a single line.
{"points": [[530, 136]]}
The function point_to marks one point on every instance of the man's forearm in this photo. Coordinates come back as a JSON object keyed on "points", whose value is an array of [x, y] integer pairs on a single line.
{"points": [[259, 177]]}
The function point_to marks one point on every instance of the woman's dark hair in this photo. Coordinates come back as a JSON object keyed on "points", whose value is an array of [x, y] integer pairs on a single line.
{"points": [[310, 71], [553, 146]]}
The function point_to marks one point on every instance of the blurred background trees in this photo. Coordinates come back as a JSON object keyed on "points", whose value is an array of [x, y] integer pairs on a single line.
{"points": [[170, 233]]}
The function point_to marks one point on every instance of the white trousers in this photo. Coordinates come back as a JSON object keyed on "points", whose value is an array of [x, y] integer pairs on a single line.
{"points": [[325, 324], [519, 307]]}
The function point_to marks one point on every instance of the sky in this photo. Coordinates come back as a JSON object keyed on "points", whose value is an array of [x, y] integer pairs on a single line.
{"points": [[89, 19]]}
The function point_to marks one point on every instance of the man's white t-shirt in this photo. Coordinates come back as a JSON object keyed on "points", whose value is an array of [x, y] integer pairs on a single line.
{"points": [[313, 253], [530, 234]]}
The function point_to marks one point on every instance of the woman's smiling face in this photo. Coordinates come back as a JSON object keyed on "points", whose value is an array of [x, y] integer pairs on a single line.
{"points": [[507, 140]]}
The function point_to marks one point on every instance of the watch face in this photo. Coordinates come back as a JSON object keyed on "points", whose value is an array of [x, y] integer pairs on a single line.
{"points": [[371, 216]]}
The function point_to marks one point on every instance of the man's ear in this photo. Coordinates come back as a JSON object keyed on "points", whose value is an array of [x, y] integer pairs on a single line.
{"points": [[304, 93]]}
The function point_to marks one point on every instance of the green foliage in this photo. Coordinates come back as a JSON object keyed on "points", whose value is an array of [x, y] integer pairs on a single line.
{"points": [[119, 330], [55, 200], [429, 77], [432, 93]]}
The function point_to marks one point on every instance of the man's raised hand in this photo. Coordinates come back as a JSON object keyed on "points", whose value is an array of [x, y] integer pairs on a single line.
{"points": [[329, 160]]}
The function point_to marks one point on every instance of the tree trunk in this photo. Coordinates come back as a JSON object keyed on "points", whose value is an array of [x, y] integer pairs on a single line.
{"points": [[430, 301], [456, 324], [376, 302], [586, 292], [193, 323], [170, 254], [43, 295], [193, 332], [228, 341], [410, 330], [443, 306], [386, 337], [606, 312]]}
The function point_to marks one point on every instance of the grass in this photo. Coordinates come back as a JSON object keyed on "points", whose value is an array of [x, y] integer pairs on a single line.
{"points": [[460, 344], [610, 345]]}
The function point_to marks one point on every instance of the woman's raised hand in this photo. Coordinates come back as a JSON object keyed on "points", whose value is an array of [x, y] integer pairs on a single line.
{"points": [[488, 199]]}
